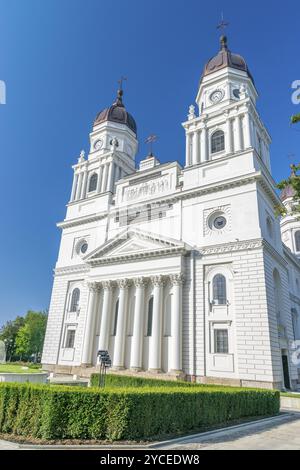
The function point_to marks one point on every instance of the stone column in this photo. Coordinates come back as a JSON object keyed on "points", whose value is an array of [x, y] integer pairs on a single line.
{"points": [[237, 135], [99, 179], [79, 185], [74, 187], [119, 352], [110, 177], [247, 130], [204, 152], [228, 136], [176, 324], [88, 341], [188, 156], [156, 338], [104, 178], [84, 184], [196, 158], [138, 325], [106, 315]]}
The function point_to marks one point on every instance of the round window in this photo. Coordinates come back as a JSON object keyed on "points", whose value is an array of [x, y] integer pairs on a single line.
{"points": [[83, 248], [219, 222]]}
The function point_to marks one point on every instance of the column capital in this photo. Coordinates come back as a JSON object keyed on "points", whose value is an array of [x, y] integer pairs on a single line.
{"points": [[94, 286], [123, 283], [107, 285], [140, 282], [176, 279], [158, 280]]}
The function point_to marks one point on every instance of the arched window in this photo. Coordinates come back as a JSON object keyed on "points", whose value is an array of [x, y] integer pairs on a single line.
{"points": [[277, 293], [115, 325], [295, 322], [219, 290], [259, 146], [93, 182], [75, 300], [150, 317], [270, 227], [297, 240], [217, 142]]}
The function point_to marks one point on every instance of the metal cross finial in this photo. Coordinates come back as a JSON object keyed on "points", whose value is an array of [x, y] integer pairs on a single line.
{"points": [[150, 140], [223, 24], [122, 79]]}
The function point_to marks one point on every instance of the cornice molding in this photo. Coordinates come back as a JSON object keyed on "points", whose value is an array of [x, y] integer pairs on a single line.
{"points": [[121, 259], [77, 269], [231, 247], [82, 220]]}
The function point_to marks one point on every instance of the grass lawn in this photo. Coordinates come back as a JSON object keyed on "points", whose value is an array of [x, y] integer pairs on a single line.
{"points": [[17, 369], [291, 395]]}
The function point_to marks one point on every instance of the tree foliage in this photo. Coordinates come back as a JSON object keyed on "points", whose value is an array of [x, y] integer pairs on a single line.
{"points": [[24, 337], [293, 181], [295, 118], [8, 334]]}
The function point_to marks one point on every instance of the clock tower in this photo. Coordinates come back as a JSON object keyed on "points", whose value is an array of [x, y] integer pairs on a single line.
{"points": [[113, 147], [227, 121]]}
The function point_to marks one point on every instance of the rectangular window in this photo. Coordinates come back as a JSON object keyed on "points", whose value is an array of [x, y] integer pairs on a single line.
{"points": [[70, 339], [221, 341]]}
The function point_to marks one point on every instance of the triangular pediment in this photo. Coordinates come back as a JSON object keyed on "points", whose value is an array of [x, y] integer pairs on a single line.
{"points": [[134, 243]]}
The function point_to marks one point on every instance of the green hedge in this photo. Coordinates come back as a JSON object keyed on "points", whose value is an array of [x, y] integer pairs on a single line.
{"points": [[114, 380], [43, 411]]}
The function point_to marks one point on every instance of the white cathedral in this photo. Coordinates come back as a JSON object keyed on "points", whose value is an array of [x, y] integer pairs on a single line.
{"points": [[180, 271]]}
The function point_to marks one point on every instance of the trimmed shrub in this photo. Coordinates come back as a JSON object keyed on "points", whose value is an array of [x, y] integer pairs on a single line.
{"points": [[114, 380], [60, 412]]}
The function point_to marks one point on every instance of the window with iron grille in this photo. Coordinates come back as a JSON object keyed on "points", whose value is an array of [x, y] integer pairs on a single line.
{"points": [[70, 339], [219, 290], [75, 300], [221, 341], [217, 142]]}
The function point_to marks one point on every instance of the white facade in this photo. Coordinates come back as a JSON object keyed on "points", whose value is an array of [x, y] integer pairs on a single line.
{"points": [[179, 270]]}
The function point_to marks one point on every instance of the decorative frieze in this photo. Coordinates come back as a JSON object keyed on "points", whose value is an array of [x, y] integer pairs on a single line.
{"points": [[148, 188]]}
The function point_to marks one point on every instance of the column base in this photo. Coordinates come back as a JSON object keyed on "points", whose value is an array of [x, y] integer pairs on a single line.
{"points": [[118, 368], [155, 371], [136, 369], [176, 372]]}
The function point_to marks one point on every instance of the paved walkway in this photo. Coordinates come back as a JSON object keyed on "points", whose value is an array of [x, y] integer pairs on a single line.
{"points": [[279, 433]]}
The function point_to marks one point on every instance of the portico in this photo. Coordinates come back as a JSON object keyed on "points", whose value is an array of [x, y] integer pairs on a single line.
{"points": [[134, 319]]}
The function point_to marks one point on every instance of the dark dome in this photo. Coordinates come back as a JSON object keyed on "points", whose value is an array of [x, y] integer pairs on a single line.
{"points": [[225, 58], [117, 113]]}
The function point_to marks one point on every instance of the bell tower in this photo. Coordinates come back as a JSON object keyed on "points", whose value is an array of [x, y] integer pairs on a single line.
{"points": [[227, 121], [113, 147]]}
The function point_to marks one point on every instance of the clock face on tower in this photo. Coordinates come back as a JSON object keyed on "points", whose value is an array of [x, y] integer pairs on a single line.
{"points": [[216, 96], [98, 144]]}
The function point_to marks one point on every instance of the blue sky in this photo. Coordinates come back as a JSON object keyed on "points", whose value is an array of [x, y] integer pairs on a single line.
{"points": [[61, 59]]}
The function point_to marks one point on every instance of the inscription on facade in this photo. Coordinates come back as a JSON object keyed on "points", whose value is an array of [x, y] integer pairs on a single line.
{"points": [[148, 188]]}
